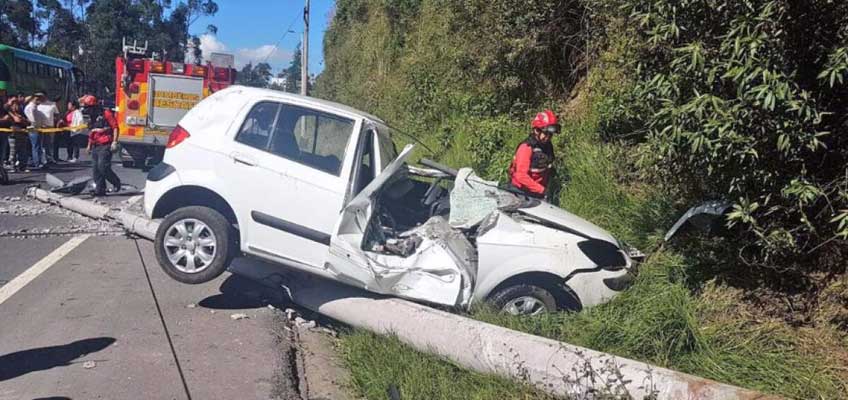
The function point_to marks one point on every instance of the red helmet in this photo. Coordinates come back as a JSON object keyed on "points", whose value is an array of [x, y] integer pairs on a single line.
{"points": [[88, 100], [544, 119]]}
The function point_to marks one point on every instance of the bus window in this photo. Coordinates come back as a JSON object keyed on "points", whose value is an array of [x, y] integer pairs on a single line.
{"points": [[4, 72], [21, 66]]}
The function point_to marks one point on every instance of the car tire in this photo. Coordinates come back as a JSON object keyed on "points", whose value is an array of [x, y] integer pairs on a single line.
{"points": [[194, 244], [523, 299]]}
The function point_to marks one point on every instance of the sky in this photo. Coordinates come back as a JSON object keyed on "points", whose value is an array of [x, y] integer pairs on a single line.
{"points": [[250, 29]]}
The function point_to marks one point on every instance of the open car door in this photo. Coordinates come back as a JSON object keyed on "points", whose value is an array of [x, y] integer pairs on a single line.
{"points": [[438, 271]]}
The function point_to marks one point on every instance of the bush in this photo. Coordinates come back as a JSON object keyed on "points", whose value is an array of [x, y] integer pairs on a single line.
{"points": [[746, 101]]}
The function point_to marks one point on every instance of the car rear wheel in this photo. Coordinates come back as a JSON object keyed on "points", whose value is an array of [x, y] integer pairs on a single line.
{"points": [[523, 299], [194, 244]]}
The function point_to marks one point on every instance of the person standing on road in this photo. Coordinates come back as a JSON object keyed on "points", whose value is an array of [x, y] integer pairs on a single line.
{"points": [[18, 152], [76, 138], [532, 164], [100, 141], [50, 113], [36, 120]]}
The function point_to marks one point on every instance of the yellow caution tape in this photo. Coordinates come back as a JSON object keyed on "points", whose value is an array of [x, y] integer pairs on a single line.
{"points": [[44, 130]]}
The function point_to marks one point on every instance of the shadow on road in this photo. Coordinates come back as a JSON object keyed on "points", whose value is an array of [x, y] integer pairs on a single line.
{"points": [[53, 398], [239, 293], [19, 363]]}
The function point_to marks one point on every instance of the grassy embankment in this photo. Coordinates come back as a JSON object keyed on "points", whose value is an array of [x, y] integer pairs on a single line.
{"points": [[411, 66]]}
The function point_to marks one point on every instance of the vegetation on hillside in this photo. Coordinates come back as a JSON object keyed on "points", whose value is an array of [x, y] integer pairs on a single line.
{"points": [[666, 103]]}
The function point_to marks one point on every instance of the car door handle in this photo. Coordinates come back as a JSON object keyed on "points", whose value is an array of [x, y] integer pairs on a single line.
{"points": [[243, 159]]}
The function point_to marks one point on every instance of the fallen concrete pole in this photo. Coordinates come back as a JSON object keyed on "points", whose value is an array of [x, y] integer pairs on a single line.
{"points": [[555, 367], [132, 223]]}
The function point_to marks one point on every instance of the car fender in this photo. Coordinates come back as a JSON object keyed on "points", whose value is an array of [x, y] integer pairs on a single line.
{"points": [[512, 247]]}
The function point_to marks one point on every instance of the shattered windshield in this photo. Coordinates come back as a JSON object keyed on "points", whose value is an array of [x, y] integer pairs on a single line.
{"points": [[473, 199]]}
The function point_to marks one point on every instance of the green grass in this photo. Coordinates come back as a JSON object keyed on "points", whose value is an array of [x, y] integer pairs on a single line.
{"points": [[659, 320], [378, 363]]}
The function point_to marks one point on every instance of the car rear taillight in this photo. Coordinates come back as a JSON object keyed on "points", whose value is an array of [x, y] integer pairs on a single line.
{"points": [[177, 136], [133, 105]]}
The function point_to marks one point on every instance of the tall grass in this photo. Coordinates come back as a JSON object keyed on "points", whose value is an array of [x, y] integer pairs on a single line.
{"points": [[379, 363]]}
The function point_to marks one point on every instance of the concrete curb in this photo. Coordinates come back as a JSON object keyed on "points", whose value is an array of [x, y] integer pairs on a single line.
{"points": [[554, 367]]}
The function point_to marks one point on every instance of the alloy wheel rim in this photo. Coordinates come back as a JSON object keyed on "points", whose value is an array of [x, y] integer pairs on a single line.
{"points": [[190, 245], [525, 305]]}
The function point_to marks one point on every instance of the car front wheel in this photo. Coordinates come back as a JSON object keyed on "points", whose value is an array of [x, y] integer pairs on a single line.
{"points": [[523, 299], [193, 244]]}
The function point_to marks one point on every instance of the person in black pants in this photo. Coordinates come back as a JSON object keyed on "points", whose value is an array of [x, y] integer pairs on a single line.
{"points": [[100, 140]]}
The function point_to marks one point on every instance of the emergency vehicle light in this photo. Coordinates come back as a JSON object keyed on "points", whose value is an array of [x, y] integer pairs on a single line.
{"points": [[177, 68], [156, 66], [133, 105], [222, 74], [136, 65], [198, 70]]}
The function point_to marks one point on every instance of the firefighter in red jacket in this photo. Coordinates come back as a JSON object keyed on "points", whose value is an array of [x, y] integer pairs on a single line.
{"points": [[101, 140], [534, 158]]}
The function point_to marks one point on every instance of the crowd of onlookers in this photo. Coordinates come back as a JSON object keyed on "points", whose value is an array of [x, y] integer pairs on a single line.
{"points": [[29, 146]]}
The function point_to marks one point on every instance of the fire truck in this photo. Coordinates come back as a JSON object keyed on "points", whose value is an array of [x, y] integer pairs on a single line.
{"points": [[152, 95]]}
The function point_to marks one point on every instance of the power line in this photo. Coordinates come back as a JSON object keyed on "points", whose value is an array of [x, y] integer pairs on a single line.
{"points": [[286, 32]]}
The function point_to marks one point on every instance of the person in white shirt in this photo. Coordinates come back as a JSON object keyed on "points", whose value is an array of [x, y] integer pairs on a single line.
{"points": [[36, 120], [78, 138], [50, 113]]}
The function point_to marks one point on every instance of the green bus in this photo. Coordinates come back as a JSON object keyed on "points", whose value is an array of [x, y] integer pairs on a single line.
{"points": [[27, 72]]}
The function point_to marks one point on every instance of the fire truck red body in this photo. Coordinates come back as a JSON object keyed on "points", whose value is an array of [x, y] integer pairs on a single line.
{"points": [[152, 95]]}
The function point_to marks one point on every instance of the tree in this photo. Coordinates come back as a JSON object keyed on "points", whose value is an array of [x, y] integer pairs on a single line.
{"points": [[64, 33], [292, 73], [18, 26], [258, 76], [746, 101]]}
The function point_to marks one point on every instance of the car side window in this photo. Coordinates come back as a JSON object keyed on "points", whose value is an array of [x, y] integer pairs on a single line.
{"points": [[312, 138], [257, 127]]}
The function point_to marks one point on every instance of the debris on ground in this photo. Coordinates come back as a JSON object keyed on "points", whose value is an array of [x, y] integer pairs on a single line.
{"points": [[238, 316], [89, 364], [302, 323], [191, 305], [61, 222]]}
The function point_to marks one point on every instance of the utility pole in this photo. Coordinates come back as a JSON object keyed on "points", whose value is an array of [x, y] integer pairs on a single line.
{"points": [[304, 61]]}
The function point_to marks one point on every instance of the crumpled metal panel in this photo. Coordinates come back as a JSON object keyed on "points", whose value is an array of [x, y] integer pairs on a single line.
{"points": [[441, 270], [701, 216]]}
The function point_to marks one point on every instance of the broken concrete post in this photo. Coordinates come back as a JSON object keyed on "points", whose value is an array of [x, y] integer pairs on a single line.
{"points": [[132, 223], [87, 208], [555, 367]]}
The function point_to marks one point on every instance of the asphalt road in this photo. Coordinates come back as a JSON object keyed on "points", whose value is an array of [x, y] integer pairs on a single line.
{"points": [[96, 318]]}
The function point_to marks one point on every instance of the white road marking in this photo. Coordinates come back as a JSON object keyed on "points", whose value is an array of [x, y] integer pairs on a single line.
{"points": [[38, 268]]}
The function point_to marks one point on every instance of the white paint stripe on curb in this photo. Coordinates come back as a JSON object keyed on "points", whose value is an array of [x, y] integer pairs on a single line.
{"points": [[38, 268]]}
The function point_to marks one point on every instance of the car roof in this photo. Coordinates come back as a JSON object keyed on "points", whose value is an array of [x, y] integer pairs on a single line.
{"points": [[305, 100]]}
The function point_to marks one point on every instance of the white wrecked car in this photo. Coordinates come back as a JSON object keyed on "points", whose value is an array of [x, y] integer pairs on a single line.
{"points": [[319, 187]]}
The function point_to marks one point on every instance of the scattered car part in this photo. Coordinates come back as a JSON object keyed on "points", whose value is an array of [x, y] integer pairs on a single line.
{"points": [[706, 217]]}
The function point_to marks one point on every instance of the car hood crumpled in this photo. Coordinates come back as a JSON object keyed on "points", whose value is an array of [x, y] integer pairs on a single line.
{"points": [[567, 221]]}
